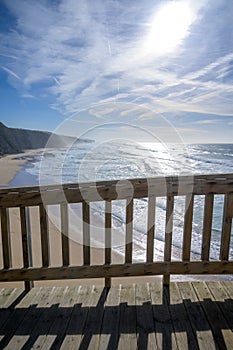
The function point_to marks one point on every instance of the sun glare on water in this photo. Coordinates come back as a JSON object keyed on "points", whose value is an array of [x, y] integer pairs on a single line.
{"points": [[169, 26]]}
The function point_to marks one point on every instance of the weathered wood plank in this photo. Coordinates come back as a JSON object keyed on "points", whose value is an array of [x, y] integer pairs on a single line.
{"points": [[50, 311], [75, 329], [118, 270], [44, 236], [207, 226], [197, 317], [151, 229], [82, 317], [226, 226], [91, 331], [129, 231], [57, 331], [221, 332], [26, 243], [109, 190], [86, 234], [145, 323], [21, 336], [214, 179], [168, 235], [65, 234], [185, 338], [187, 232], [110, 327], [8, 329], [8, 297], [108, 238], [228, 285], [225, 302], [163, 326], [6, 245], [127, 327]]}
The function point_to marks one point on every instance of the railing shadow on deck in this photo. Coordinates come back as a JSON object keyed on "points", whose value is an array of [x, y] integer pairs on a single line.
{"points": [[90, 321]]}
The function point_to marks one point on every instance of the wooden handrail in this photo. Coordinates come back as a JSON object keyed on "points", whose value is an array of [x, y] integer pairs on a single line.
{"points": [[109, 191]]}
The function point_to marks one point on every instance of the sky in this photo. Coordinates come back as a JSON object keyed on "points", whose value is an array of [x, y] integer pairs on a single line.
{"points": [[155, 70]]}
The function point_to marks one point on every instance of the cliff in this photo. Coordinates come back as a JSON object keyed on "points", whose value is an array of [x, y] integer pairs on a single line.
{"points": [[17, 140]]}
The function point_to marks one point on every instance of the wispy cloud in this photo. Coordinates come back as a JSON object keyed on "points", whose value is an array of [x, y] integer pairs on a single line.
{"points": [[84, 53], [207, 121], [10, 72]]}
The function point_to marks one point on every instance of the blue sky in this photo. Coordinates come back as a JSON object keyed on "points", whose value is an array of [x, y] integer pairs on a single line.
{"points": [[77, 67]]}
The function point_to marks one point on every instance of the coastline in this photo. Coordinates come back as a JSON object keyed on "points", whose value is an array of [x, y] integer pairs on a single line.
{"points": [[11, 164]]}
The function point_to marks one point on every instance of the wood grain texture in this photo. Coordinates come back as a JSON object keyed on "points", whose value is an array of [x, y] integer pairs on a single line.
{"points": [[187, 232], [118, 270], [110, 190], [226, 226], [44, 236], [6, 245], [207, 226], [150, 229], [26, 242], [168, 234], [65, 234], [86, 234], [129, 231]]}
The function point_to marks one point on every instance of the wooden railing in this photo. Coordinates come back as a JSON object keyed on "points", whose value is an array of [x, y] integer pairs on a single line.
{"points": [[109, 191]]}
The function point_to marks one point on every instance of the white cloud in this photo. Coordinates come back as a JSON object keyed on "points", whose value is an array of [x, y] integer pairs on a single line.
{"points": [[207, 121], [85, 53]]}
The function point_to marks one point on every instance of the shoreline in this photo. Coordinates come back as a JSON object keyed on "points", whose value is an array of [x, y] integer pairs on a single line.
{"points": [[11, 164]]}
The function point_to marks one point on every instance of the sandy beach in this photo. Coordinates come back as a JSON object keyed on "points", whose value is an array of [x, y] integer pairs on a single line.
{"points": [[11, 164]]}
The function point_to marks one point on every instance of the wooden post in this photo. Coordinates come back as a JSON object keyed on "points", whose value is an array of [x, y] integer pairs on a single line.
{"points": [[207, 226], [44, 236], [108, 238], [129, 231], [65, 235], [150, 230], [226, 226], [168, 235], [26, 242], [188, 220], [6, 246], [86, 233]]}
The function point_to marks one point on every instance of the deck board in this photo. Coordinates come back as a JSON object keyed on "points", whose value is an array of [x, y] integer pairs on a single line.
{"points": [[221, 332], [197, 317], [77, 321], [143, 316]]}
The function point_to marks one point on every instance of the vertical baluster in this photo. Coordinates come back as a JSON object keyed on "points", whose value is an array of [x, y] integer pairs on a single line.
{"points": [[65, 235], [26, 242], [207, 226], [129, 231], [151, 229], [188, 220], [86, 233], [44, 236], [226, 226], [6, 246], [108, 238], [168, 235]]}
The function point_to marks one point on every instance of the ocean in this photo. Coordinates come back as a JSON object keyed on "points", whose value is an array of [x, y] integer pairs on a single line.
{"points": [[124, 160]]}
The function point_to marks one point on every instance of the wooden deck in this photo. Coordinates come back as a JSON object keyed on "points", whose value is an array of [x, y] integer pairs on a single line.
{"points": [[197, 315]]}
